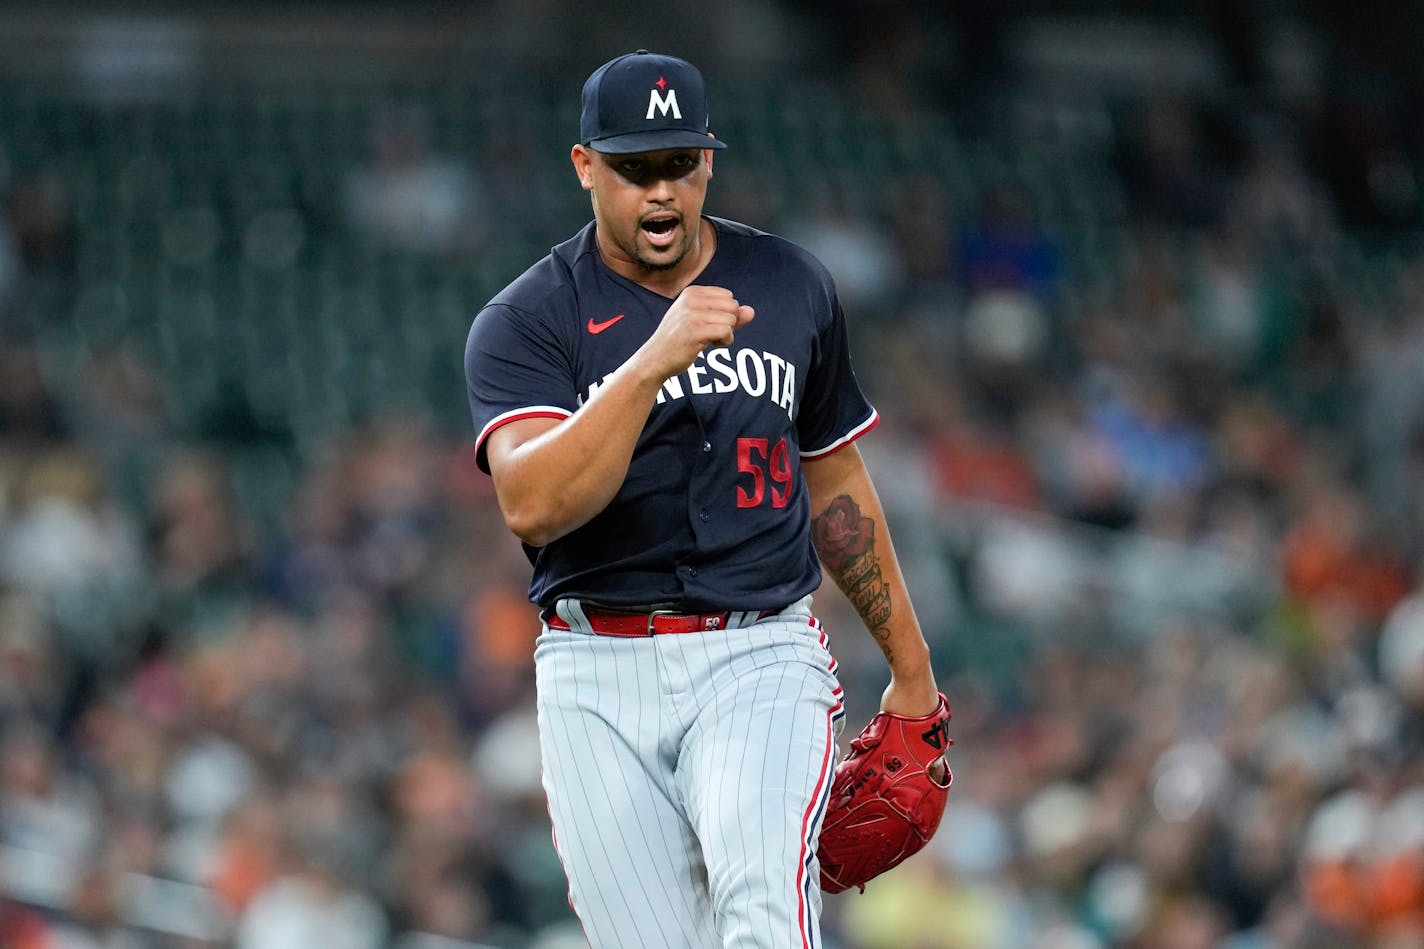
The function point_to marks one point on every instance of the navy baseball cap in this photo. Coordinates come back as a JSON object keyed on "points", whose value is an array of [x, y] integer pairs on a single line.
{"points": [[643, 102]]}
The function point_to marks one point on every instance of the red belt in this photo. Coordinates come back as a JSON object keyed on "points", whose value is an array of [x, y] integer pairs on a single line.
{"points": [[649, 624]]}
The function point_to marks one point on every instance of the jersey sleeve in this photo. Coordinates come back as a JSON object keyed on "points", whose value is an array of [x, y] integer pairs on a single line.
{"points": [[515, 368], [834, 411]]}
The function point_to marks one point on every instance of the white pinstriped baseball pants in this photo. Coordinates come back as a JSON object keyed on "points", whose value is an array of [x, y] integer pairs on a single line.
{"points": [[687, 776]]}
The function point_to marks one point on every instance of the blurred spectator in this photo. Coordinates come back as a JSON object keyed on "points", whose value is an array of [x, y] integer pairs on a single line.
{"points": [[205, 780], [75, 550], [250, 852], [200, 543], [50, 818], [314, 562], [394, 476], [1332, 553], [1401, 656], [1364, 861], [29, 410], [65, 531], [95, 919], [1234, 313], [1391, 392], [42, 220], [1006, 248], [980, 459], [449, 910], [924, 908], [1281, 205], [313, 905], [1173, 171], [1160, 451], [1008, 269], [32, 685], [410, 196], [1081, 475], [855, 249]]}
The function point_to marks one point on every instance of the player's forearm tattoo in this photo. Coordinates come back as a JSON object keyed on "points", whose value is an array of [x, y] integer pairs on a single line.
{"points": [[845, 541]]}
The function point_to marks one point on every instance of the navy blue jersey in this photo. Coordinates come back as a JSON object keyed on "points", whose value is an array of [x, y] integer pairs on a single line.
{"points": [[713, 513]]}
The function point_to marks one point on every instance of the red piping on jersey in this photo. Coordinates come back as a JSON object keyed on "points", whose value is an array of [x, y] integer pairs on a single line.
{"points": [[845, 439], [802, 880], [518, 415], [834, 664], [554, 835]]}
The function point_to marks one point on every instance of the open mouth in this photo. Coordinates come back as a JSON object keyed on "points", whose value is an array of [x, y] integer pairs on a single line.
{"points": [[660, 228]]}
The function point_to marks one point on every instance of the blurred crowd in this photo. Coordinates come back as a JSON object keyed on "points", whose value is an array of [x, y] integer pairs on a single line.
{"points": [[1162, 511]]}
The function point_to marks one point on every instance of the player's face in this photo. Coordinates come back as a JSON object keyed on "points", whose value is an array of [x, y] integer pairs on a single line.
{"points": [[648, 205]]}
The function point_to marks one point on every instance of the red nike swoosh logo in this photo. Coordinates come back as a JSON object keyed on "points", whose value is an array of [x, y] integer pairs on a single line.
{"points": [[596, 328]]}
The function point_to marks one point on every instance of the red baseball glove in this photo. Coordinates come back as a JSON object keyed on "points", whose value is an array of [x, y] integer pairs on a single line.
{"points": [[884, 804]]}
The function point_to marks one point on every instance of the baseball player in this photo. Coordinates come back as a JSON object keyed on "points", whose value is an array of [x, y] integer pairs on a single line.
{"points": [[667, 407]]}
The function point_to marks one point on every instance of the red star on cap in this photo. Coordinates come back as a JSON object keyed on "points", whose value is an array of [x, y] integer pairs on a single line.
{"points": [[661, 83]]}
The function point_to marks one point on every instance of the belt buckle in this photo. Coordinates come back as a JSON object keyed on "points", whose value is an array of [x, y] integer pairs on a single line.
{"points": [[654, 614]]}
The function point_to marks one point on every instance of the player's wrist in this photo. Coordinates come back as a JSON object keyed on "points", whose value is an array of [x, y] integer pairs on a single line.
{"points": [[911, 695], [644, 371], [910, 662]]}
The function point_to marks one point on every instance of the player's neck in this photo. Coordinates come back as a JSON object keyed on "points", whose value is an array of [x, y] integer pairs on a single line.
{"points": [[671, 282]]}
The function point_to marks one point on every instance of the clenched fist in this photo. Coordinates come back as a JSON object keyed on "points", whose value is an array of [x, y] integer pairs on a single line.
{"points": [[698, 318]]}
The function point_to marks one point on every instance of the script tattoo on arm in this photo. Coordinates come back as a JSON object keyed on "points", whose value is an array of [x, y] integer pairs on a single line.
{"points": [[845, 541]]}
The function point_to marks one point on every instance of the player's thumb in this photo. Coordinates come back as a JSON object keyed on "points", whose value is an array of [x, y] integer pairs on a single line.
{"points": [[744, 315]]}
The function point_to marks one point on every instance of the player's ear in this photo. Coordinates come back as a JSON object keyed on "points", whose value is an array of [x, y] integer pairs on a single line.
{"points": [[583, 166], [707, 157]]}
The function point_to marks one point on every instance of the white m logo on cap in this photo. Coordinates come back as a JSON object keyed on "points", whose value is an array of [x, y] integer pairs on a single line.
{"points": [[663, 106]]}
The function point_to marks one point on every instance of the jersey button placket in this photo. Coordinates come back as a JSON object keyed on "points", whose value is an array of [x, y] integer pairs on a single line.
{"points": [[703, 515]]}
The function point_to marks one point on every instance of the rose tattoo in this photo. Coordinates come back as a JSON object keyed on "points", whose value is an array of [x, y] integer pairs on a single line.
{"points": [[845, 541], [842, 534]]}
